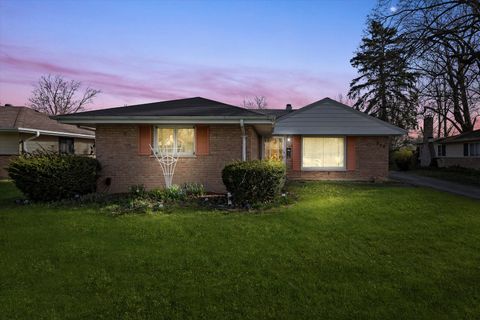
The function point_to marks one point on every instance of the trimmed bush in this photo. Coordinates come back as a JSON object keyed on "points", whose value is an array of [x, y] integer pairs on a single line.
{"points": [[253, 182], [403, 158], [50, 176]]}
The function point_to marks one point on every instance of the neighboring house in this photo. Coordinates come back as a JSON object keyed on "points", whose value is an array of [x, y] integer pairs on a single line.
{"points": [[324, 140], [25, 130], [461, 150]]}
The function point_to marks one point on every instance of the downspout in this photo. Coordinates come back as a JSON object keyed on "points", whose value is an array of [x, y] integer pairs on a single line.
{"points": [[244, 141], [37, 134]]}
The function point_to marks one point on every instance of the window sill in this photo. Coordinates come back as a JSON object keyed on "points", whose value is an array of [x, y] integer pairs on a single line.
{"points": [[179, 156], [323, 169]]}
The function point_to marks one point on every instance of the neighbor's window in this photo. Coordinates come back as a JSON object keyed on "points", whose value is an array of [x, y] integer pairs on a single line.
{"points": [[474, 149], [181, 139], [441, 150], [325, 152]]}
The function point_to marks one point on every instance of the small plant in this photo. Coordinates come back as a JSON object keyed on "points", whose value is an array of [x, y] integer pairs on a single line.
{"points": [[403, 158], [137, 190], [193, 189], [174, 193]]}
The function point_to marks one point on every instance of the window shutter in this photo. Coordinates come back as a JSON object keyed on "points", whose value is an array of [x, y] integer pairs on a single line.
{"points": [[202, 140], [144, 140], [465, 149], [296, 153], [351, 153]]}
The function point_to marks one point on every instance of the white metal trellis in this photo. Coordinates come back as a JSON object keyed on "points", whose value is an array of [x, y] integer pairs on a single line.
{"points": [[167, 157]]}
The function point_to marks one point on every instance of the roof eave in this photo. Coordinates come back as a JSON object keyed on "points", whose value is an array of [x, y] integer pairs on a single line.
{"points": [[71, 119], [379, 134]]}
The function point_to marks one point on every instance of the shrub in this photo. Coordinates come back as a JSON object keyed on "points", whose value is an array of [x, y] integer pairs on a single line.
{"points": [[49, 176], [403, 158], [252, 182]]}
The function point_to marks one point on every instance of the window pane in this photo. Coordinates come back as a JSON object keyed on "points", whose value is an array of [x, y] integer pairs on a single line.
{"points": [[165, 138], [274, 148], [185, 140], [312, 152], [323, 152], [333, 152]]}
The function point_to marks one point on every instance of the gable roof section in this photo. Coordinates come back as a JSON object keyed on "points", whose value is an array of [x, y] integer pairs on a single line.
{"points": [[187, 109], [23, 119], [329, 117], [463, 137]]}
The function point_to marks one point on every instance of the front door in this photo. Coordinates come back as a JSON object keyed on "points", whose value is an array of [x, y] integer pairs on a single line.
{"points": [[274, 148]]}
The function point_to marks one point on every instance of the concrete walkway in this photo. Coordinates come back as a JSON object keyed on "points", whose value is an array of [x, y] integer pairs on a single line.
{"points": [[447, 186]]}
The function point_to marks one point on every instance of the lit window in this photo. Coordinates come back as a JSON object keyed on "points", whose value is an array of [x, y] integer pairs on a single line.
{"points": [[180, 140], [323, 153]]}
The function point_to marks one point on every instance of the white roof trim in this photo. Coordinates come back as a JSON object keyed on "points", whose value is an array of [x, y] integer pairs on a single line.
{"points": [[49, 133]]}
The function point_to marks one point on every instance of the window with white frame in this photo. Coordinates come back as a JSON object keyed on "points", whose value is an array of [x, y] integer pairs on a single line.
{"points": [[181, 139], [323, 153]]}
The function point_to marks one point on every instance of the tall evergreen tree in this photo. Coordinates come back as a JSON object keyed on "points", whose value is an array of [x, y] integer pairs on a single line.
{"points": [[385, 87]]}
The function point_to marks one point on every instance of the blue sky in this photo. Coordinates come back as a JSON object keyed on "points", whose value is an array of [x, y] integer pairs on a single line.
{"points": [[140, 51]]}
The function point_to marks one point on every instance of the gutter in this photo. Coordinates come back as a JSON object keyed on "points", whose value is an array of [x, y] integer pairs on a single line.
{"points": [[244, 141], [50, 133]]}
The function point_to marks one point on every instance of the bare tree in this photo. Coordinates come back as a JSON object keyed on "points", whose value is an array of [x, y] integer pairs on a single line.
{"points": [[443, 38], [257, 102], [54, 95]]}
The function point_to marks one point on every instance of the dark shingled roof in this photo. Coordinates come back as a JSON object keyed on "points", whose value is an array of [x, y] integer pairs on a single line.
{"points": [[190, 107], [274, 112], [13, 118], [463, 137]]}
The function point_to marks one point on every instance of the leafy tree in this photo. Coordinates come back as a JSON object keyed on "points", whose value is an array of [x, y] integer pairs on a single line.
{"points": [[54, 95], [385, 87]]}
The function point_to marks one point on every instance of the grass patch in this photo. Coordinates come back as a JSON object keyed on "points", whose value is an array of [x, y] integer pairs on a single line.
{"points": [[342, 251], [454, 174]]}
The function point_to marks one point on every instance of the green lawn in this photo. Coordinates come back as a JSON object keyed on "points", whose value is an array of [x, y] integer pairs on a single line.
{"points": [[344, 251]]}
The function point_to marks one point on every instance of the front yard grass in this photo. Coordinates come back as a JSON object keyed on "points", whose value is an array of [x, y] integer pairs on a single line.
{"points": [[343, 251]]}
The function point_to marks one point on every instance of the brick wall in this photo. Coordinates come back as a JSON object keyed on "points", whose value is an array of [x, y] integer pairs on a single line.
{"points": [[117, 151], [4, 161], [371, 163]]}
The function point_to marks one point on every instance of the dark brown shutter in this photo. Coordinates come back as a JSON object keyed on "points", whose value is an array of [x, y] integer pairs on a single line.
{"points": [[202, 140], [144, 139]]}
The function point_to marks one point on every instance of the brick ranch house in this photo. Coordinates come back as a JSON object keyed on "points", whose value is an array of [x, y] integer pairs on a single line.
{"points": [[25, 130], [324, 140]]}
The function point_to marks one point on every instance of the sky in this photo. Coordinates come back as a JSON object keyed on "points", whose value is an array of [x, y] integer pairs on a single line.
{"points": [[136, 52]]}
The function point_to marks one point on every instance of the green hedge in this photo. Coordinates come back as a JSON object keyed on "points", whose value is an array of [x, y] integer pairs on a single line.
{"points": [[252, 182], [403, 159], [49, 176]]}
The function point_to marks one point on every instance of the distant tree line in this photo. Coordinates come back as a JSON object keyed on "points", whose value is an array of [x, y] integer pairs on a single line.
{"points": [[421, 57]]}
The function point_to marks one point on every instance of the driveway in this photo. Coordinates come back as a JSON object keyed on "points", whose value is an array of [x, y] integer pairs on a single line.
{"points": [[447, 186]]}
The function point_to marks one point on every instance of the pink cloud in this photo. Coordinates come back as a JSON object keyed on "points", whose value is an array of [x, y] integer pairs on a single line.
{"points": [[123, 83]]}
